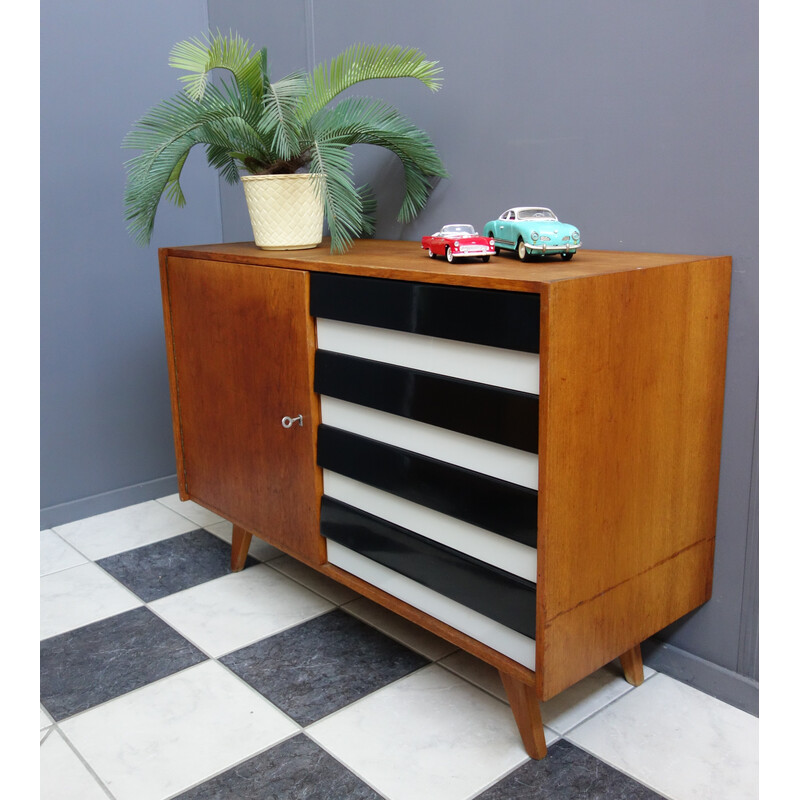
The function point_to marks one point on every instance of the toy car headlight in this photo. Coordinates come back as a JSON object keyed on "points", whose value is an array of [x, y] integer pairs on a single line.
{"points": [[576, 235], [491, 242], [534, 235]]}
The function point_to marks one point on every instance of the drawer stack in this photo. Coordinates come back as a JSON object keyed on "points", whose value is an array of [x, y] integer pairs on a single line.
{"points": [[429, 448]]}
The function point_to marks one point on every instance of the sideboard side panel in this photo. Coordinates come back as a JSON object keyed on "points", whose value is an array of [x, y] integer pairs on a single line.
{"points": [[173, 387], [633, 371]]}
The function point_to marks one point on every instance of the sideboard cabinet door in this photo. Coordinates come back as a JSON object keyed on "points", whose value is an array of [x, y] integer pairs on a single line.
{"points": [[240, 344]]}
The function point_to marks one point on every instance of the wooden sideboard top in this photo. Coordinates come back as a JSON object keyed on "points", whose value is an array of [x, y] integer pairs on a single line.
{"points": [[401, 260]]}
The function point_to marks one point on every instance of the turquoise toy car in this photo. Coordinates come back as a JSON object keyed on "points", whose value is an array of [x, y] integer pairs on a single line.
{"points": [[531, 232]]}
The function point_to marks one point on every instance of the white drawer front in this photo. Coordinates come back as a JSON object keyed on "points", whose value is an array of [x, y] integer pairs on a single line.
{"points": [[511, 369], [501, 552], [506, 641]]}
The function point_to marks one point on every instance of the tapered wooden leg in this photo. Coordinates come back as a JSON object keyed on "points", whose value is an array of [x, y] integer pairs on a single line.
{"points": [[525, 707], [240, 544], [632, 665]]}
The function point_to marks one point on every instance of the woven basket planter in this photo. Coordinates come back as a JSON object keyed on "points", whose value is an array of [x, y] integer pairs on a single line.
{"points": [[286, 211]]}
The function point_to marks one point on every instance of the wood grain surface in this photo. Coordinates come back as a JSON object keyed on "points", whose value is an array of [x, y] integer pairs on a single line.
{"points": [[244, 345], [630, 412], [630, 428], [408, 261]]}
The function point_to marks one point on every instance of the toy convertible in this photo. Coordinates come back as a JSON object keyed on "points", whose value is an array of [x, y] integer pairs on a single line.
{"points": [[458, 241], [533, 231]]}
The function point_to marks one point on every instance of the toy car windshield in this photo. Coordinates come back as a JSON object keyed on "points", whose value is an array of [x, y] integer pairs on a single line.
{"points": [[464, 230], [536, 213]]}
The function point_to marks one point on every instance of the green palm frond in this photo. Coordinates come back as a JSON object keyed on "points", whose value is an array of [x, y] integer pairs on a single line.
{"points": [[173, 118], [219, 156], [279, 117], [199, 56], [166, 135], [174, 193], [362, 63], [369, 207], [343, 205], [148, 180], [249, 123], [365, 121]]}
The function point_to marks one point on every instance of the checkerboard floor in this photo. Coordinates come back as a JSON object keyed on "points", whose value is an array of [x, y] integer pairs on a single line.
{"points": [[164, 675]]}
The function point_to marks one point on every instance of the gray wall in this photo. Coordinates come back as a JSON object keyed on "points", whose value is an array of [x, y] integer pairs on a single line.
{"points": [[635, 120], [105, 411]]}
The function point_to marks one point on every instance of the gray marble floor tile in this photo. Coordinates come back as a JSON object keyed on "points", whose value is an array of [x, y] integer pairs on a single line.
{"points": [[163, 568], [90, 665], [316, 668], [296, 769], [567, 773]]}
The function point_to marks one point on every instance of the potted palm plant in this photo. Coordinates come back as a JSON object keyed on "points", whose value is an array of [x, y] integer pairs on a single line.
{"points": [[285, 132]]}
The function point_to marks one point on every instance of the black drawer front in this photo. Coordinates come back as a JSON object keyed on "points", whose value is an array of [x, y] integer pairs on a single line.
{"points": [[480, 316], [498, 415], [489, 503], [505, 598]]}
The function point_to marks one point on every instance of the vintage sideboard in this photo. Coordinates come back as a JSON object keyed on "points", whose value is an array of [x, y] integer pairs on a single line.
{"points": [[522, 458]]}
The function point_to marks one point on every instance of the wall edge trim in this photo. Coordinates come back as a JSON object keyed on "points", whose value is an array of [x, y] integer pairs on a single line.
{"points": [[712, 679], [83, 507]]}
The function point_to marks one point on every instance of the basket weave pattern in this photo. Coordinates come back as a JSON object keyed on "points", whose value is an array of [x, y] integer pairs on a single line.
{"points": [[286, 211]]}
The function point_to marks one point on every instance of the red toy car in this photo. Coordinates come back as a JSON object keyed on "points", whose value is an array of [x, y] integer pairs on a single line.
{"points": [[458, 241]]}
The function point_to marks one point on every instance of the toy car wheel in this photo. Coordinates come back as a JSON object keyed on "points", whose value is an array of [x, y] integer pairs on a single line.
{"points": [[567, 256], [431, 254], [449, 253], [484, 259], [522, 251]]}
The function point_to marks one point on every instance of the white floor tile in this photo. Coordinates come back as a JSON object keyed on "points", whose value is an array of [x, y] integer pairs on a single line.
{"points": [[237, 609], [399, 628], [476, 671], [677, 740], [62, 775], [55, 554], [566, 709], [78, 596], [577, 703], [259, 549], [159, 740], [44, 719], [314, 580], [430, 735], [116, 531], [201, 516]]}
